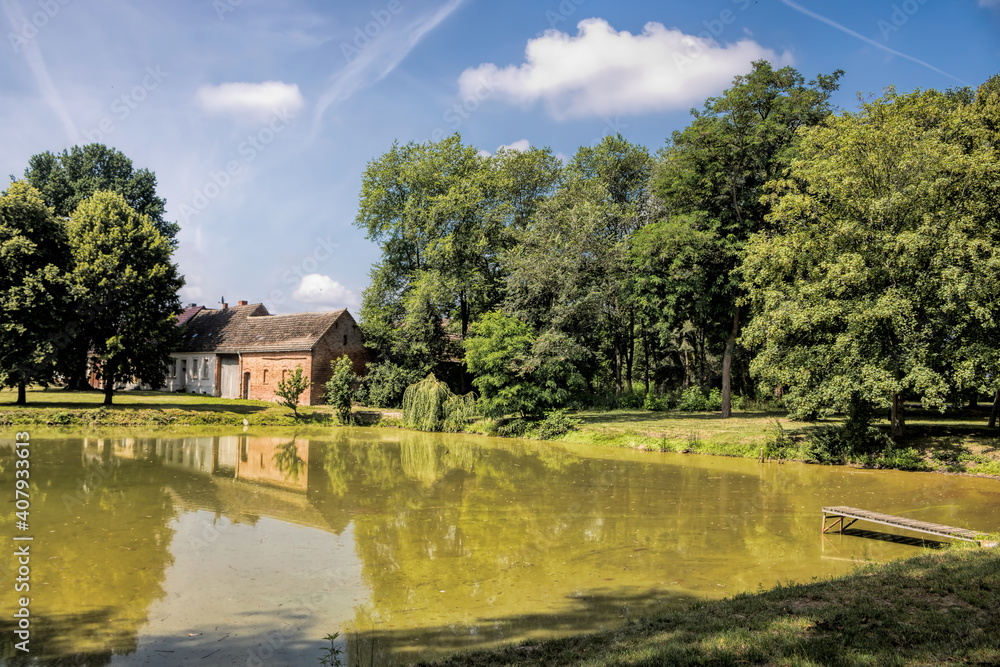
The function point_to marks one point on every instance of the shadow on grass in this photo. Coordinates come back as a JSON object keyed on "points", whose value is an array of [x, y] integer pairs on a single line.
{"points": [[621, 416], [586, 612], [922, 611]]}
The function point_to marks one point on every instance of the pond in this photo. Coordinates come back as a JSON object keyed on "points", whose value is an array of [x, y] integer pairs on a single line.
{"points": [[251, 548]]}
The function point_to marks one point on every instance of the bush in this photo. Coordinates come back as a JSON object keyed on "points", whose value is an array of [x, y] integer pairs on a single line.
{"points": [[384, 385], [654, 402], [693, 399], [513, 428], [555, 424]]}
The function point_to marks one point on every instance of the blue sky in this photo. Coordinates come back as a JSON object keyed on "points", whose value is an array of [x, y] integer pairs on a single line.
{"points": [[258, 118]]}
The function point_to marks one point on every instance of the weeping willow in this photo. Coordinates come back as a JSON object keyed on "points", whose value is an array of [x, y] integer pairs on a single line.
{"points": [[429, 405]]}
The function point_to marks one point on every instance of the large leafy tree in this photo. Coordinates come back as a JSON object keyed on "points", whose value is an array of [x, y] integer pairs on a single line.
{"points": [[713, 174], [879, 279], [33, 292], [122, 269], [443, 215], [65, 180], [570, 270]]}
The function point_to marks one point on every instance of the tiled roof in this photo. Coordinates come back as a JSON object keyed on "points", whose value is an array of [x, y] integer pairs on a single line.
{"points": [[252, 329], [188, 314]]}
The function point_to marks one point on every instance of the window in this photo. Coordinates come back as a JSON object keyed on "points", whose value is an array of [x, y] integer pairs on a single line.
{"points": [[173, 369], [345, 340], [265, 376], [194, 368], [204, 368]]}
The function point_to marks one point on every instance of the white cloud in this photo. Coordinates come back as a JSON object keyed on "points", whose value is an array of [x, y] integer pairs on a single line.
{"points": [[318, 289], [603, 72], [255, 101], [521, 145]]}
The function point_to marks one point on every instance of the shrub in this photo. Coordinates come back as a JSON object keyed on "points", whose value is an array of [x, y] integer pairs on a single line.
{"points": [[555, 424], [339, 391], [654, 402], [384, 385], [291, 388], [692, 399]]}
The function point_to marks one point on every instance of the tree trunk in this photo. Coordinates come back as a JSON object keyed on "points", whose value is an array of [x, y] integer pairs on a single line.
{"points": [[22, 394], [896, 418], [645, 357], [995, 412], [727, 366], [109, 390], [630, 349]]}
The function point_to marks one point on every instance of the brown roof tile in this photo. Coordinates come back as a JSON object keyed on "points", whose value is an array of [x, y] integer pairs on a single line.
{"points": [[252, 329]]}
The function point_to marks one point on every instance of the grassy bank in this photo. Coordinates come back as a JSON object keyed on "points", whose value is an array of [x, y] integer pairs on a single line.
{"points": [[56, 407], [946, 443], [936, 608]]}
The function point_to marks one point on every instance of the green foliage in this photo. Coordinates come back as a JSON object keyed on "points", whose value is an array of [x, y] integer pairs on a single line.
{"points": [[655, 402], [331, 654], [122, 271], [383, 385], [290, 389], [67, 179], [34, 296], [879, 277], [517, 372], [555, 424], [695, 399], [710, 177], [340, 388], [459, 411], [429, 405], [443, 215]]}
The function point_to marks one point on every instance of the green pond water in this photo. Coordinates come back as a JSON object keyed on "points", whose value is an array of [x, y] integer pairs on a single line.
{"points": [[248, 549]]}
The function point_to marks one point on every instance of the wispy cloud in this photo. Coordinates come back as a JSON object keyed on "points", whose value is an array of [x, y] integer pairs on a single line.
{"points": [[833, 24], [36, 64], [379, 58]]}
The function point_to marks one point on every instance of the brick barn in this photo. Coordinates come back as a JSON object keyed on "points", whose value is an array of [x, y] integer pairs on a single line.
{"points": [[244, 351]]}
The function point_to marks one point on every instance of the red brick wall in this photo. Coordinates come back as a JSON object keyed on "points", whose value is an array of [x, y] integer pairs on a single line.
{"points": [[261, 388], [332, 346]]}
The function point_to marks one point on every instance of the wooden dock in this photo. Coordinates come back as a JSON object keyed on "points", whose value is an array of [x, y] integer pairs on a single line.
{"points": [[840, 514]]}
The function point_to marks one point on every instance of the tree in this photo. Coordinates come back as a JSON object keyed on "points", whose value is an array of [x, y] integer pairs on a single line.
{"points": [[65, 180], [569, 271], [718, 167], [516, 371], [122, 269], [444, 216], [290, 389], [33, 291], [340, 388], [879, 279]]}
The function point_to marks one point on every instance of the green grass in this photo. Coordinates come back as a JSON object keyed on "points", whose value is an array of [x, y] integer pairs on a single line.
{"points": [[936, 608], [947, 443], [55, 407]]}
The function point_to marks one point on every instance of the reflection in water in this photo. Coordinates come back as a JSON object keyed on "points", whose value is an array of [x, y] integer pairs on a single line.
{"points": [[250, 549]]}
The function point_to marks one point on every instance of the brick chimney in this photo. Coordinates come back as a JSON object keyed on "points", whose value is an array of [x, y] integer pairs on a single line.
{"points": [[241, 303], [225, 305]]}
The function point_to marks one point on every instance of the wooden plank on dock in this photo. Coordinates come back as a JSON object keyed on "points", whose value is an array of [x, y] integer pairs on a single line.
{"points": [[840, 513]]}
